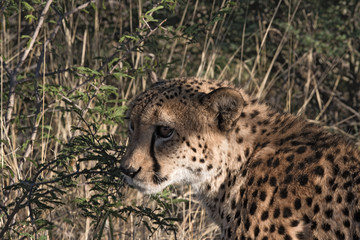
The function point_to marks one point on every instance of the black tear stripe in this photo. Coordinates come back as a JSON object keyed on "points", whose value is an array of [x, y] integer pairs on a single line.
{"points": [[157, 179]]}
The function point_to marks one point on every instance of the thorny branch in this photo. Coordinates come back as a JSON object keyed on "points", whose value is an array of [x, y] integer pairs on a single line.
{"points": [[32, 184]]}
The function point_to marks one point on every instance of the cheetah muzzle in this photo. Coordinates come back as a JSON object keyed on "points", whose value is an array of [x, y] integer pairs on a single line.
{"points": [[260, 174]]}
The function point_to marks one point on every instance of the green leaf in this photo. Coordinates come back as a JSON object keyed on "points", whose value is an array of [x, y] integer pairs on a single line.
{"points": [[27, 6], [154, 9]]}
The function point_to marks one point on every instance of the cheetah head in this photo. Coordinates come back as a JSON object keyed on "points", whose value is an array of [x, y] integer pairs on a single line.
{"points": [[178, 133]]}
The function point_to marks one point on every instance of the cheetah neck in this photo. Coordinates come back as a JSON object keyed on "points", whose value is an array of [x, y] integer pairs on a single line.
{"points": [[249, 140]]}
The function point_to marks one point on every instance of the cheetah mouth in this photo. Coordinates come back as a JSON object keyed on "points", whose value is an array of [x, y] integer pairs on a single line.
{"points": [[143, 186]]}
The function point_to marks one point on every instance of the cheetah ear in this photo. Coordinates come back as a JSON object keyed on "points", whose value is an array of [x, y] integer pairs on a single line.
{"points": [[226, 104]]}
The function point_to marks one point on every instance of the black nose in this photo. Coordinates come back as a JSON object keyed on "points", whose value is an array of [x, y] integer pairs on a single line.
{"points": [[131, 172]]}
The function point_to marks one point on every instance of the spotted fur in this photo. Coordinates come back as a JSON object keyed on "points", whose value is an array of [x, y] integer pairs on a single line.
{"points": [[261, 174]]}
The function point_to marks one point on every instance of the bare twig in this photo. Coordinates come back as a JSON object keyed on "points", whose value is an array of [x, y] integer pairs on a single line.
{"points": [[284, 38], [11, 101]]}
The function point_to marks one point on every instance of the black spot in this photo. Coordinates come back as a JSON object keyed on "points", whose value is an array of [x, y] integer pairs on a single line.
{"points": [[245, 202], [252, 208], [330, 157], [339, 199], [345, 174], [254, 194], [347, 184], [276, 163], [349, 197], [242, 191], [283, 193], [262, 196], [281, 230], [237, 214], [336, 170], [287, 237], [319, 170], [266, 178], [222, 198], [303, 179], [239, 140], [340, 235], [329, 213], [247, 224], [318, 155], [326, 227], [289, 168], [316, 208], [209, 167], [301, 149], [313, 225], [254, 113], [264, 215], [273, 195], [276, 213], [247, 151], [251, 181], [300, 235], [202, 160], [295, 143], [290, 158], [256, 231], [272, 228], [306, 219], [309, 201], [265, 238], [273, 181], [318, 189], [294, 223], [346, 212], [228, 218], [328, 198], [301, 165], [346, 223], [310, 160], [357, 216], [194, 159], [253, 129], [297, 203], [286, 212]]}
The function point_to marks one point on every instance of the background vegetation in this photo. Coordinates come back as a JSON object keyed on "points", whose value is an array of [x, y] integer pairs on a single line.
{"points": [[69, 67]]}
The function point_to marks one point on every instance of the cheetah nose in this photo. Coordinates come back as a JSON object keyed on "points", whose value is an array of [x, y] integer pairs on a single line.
{"points": [[131, 172]]}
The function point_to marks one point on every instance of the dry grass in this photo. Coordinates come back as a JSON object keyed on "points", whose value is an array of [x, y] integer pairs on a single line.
{"points": [[305, 82]]}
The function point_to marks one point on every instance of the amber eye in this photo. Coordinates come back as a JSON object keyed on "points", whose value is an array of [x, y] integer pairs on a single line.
{"points": [[164, 131]]}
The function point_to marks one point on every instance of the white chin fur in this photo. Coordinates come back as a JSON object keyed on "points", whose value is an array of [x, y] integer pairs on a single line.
{"points": [[144, 188]]}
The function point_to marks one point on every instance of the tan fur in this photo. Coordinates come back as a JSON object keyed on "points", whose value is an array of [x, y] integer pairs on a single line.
{"points": [[260, 174]]}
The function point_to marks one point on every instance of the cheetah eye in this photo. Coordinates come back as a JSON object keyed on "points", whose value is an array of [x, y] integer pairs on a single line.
{"points": [[131, 127], [164, 131]]}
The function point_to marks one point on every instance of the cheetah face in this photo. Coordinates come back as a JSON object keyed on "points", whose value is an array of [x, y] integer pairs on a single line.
{"points": [[176, 135]]}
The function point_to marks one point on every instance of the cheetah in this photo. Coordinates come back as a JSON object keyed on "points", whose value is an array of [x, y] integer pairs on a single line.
{"points": [[260, 173]]}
